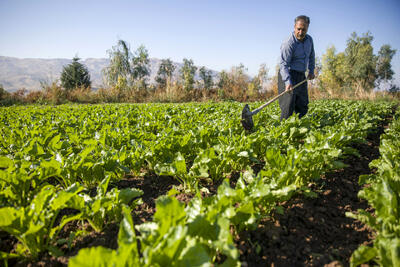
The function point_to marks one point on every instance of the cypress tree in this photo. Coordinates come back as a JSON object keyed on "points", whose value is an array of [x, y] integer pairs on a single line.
{"points": [[75, 75]]}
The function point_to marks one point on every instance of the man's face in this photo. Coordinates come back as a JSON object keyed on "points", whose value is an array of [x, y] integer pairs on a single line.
{"points": [[300, 29]]}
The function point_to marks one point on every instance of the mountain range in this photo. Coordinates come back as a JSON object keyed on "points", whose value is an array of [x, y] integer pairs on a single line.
{"points": [[29, 73]]}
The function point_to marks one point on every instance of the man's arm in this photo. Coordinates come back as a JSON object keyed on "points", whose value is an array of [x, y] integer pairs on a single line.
{"points": [[286, 57]]}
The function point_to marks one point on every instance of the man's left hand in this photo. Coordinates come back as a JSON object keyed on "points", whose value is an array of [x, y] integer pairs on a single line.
{"points": [[310, 76]]}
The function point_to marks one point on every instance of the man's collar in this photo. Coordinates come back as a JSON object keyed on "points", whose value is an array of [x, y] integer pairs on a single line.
{"points": [[297, 40]]}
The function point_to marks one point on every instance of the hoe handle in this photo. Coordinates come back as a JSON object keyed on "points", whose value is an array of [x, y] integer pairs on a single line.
{"points": [[276, 97]]}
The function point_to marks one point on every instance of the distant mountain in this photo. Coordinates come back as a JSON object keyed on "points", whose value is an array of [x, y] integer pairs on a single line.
{"points": [[28, 73]]}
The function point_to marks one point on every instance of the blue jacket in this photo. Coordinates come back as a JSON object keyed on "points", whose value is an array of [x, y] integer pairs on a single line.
{"points": [[296, 55]]}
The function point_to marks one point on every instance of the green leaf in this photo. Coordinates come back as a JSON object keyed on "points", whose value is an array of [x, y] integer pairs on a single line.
{"points": [[54, 251], [42, 199], [164, 169], [5, 162], [169, 212], [6, 256], [194, 254], [395, 251], [127, 194], [173, 192], [279, 210], [62, 197], [126, 234], [127, 251], [95, 256], [339, 165], [35, 149], [180, 164], [364, 178], [201, 227], [34, 227], [225, 241], [7, 216], [362, 254], [54, 143], [171, 246], [49, 168], [102, 188]]}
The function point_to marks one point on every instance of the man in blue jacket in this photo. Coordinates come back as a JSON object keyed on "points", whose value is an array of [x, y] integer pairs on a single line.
{"points": [[297, 56]]}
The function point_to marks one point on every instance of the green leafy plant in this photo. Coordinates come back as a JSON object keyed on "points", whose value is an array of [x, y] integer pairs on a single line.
{"points": [[34, 226], [107, 206], [383, 194], [45, 149], [126, 255]]}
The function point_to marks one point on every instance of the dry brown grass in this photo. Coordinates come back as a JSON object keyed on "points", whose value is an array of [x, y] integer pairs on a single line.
{"points": [[35, 97], [82, 95], [235, 87], [315, 93], [54, 93]]}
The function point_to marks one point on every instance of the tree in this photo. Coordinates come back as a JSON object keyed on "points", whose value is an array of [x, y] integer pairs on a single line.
{"points": [[3, 92], [206, 77], [127, 69], [223, 82], [187, 74], [357, 67], [140, 68], [75, 75], [332, 77], [119, 71], [360, 62], [257, 83], [394, 88], [261, 78], [233, 84], [383, 66], [165, 71]]}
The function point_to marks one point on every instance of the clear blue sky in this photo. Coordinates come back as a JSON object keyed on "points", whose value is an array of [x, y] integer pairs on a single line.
{"points": [[216, 34]]}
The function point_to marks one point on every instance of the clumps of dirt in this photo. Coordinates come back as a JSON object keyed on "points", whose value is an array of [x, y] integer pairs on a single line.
{"points": [[8, 241]]}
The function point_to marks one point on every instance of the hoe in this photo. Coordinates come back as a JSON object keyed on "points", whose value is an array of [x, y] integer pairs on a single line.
{"points": [[247, 114]]}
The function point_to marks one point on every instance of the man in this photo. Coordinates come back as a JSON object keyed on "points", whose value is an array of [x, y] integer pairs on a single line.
{"points": [[297, 56]]}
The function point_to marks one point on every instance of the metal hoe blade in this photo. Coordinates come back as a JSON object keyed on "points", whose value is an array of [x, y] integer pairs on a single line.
{"points": [[247, 118]]}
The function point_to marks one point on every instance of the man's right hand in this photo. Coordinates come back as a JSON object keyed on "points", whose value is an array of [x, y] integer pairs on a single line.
{"points": [[289, 87]]}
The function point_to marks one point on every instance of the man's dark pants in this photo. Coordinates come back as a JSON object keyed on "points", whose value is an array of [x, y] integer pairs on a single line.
{"points": [[297, 100]]}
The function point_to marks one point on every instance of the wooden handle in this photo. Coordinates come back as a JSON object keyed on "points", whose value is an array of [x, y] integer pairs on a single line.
{"points": [[276, 97]]}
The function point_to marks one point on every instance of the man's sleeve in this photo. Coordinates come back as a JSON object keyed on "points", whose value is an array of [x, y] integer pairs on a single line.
{"points": [[311, 64], [286, 57]]}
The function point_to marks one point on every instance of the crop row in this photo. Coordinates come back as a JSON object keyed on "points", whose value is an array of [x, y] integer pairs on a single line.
{"points": [[383, 195], [51, 158]]}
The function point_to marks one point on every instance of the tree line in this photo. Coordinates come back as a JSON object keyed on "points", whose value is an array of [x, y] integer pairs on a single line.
{"points": [[130, 70], [357, 68], [354, 71], [127, 78]]}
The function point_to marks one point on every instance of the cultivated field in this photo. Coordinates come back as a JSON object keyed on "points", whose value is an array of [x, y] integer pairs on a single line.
{"points": [[185, 185]]}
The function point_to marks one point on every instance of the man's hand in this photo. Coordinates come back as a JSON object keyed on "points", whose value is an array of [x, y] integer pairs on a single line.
{"points": [[289, 87], [310, 76]]}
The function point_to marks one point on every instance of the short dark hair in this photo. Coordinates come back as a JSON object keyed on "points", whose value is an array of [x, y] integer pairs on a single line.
{"points": [[303, 18]]}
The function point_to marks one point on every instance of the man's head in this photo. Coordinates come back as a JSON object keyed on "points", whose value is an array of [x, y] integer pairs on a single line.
{"points": [[301, 24]]}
